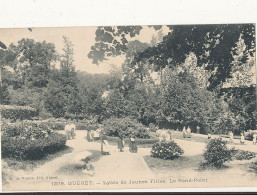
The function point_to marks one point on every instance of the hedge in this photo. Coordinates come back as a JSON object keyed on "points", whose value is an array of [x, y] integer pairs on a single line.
{"points": [[26, 149], [28, 140], [137, 140], [126, 126], [18, 112]]}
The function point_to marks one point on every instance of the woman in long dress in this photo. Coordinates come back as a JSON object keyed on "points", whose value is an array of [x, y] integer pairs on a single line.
{"points": [[242, 139], [254, 139], [184, 132], [88, 136], [104, 145], [231, 136], [120, 142], [133, 145]]}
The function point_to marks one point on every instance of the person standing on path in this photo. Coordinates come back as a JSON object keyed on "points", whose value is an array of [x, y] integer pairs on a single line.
{"points": [[184, 132], [67, 129], [231, 136], [242, 139], [88, 136], [254, 138], [104, 144], [188, 132], [121, 141], [133, 145], [73, 129]]}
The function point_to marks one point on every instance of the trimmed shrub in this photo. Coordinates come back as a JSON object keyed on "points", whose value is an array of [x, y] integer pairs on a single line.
{"points": [[217, 153], [18, 112], [26, 149], [25, 130], [27, 140], [114, 126], [60, 125], [166, 150]]}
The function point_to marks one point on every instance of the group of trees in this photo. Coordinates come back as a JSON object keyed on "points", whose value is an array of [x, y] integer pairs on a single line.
{"points": [[176, 80], [30, 77], [195, 63]]}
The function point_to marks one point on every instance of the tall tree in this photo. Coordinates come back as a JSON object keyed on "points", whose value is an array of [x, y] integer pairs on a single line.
{"points": [[62, 93]]}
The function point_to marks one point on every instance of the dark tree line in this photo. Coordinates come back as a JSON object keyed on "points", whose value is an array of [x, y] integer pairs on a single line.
{"points": [[191, 65]]}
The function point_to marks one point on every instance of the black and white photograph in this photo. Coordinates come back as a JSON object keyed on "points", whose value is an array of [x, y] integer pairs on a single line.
{"points": [[128, 107]]}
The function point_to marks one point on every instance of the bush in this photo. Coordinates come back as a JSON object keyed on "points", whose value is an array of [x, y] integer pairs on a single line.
{"points": [[25, 130], [27, 140], [166, 150], [217, 153], [60, 124], [114, 126], [26, 149], [242, 155], [18, 112]]}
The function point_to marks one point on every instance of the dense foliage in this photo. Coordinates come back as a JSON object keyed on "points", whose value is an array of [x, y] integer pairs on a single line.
{"points": [[125, 126], [183, 78], [166, 150], [17, 112], [242, 155], [217, 153], [28, 140]]}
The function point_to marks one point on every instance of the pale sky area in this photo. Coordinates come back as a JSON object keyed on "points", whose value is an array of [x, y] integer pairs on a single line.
{"points": [[82, 38]]}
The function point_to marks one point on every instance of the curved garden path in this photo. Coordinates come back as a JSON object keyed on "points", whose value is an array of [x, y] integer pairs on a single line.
{"points": [[68, 168], [130, 167]]}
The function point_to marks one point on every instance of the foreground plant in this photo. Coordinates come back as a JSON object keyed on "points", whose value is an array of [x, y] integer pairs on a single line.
{"points": [[217, 153], [166, 150]]}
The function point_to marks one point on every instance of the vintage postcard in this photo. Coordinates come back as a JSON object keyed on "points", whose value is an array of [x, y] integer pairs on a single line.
{"points": [[128, 107]]}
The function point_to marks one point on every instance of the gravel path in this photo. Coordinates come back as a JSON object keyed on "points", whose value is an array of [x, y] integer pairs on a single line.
{"points": [[112, 169]]}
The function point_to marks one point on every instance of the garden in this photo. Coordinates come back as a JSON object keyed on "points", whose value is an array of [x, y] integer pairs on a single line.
{"points": [[192, 85]]}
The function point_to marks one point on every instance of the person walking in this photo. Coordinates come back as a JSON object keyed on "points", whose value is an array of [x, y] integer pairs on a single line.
{"points": [[121, 141]]}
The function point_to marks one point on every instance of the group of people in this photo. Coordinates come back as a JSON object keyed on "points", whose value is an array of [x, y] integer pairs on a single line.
{"points": [[105, 149], [93, 135], [242, 137], [70, 129], [186, 132], [121, 143], [132, 143]]}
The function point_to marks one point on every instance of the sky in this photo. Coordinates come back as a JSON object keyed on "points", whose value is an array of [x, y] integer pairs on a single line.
{"points": [[82, 38]]}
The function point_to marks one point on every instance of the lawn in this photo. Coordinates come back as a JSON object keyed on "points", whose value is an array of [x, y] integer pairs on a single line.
{"points": [[181, 163], [77, 169], [30, 165]]}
